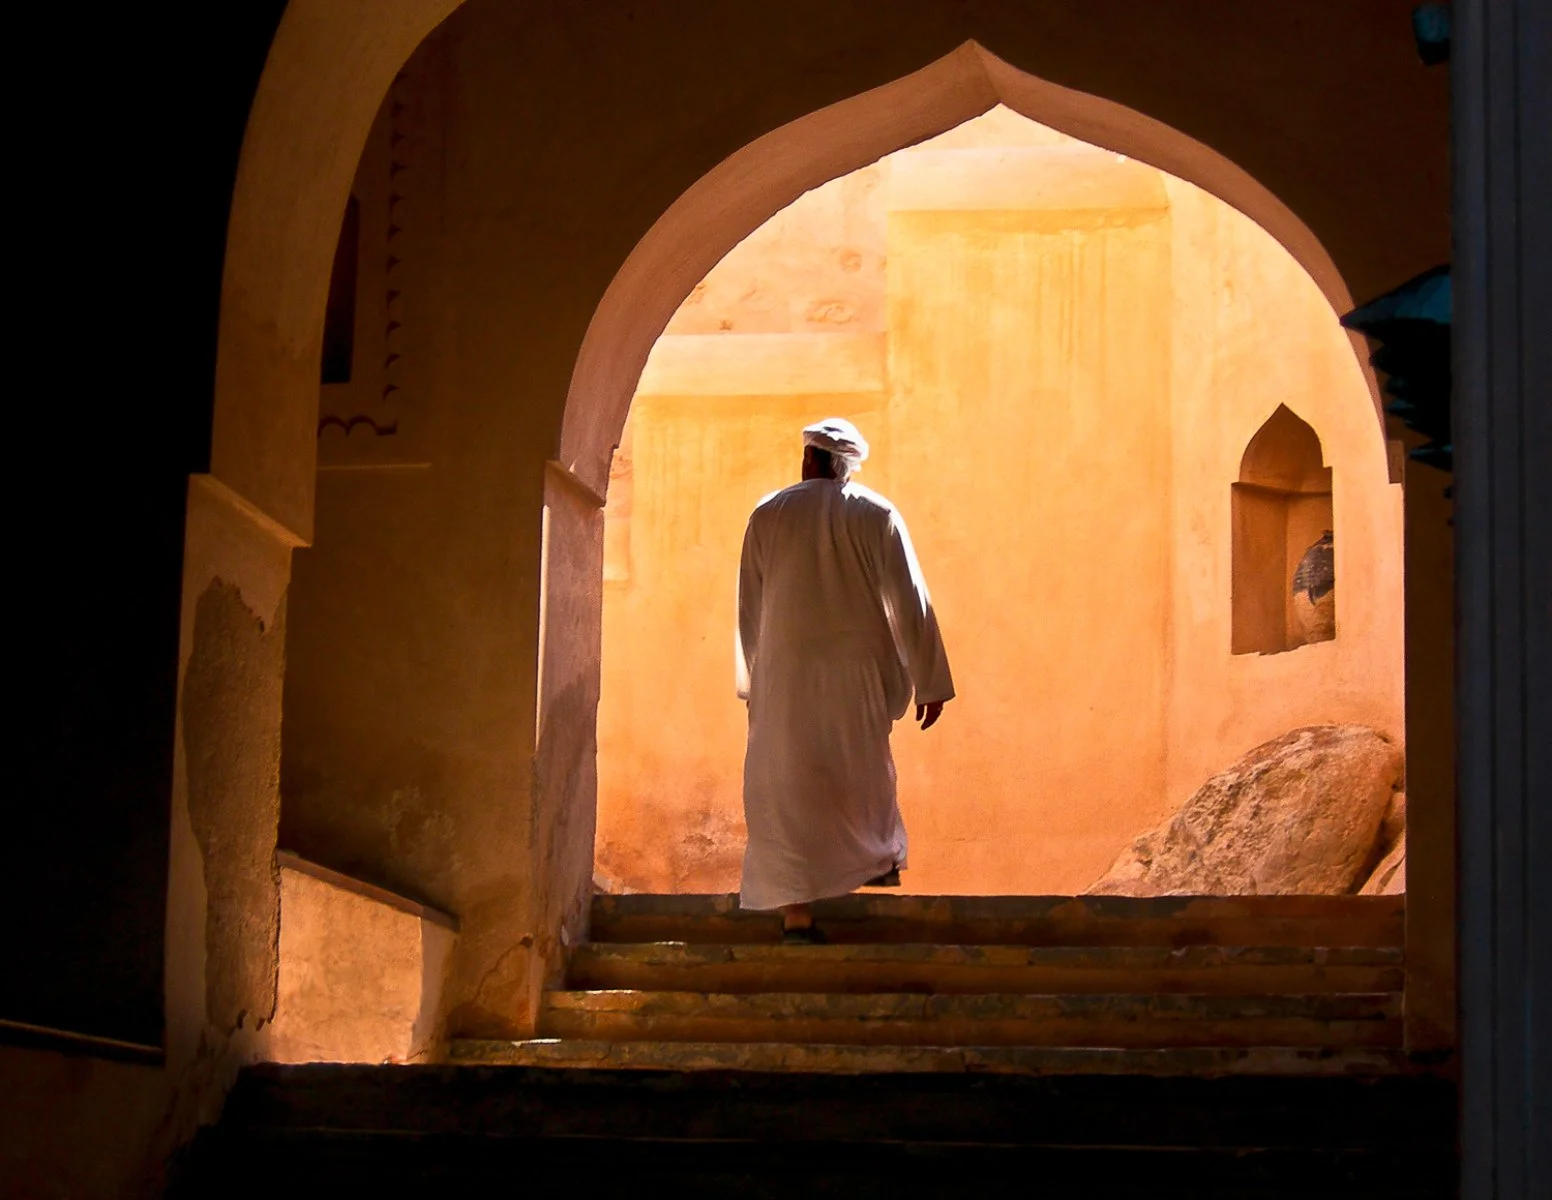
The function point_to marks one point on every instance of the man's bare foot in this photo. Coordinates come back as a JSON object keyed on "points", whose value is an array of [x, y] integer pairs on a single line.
{"points": [[797, 926]]}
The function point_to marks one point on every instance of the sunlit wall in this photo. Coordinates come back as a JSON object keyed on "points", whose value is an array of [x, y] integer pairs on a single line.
{"points": [[1059, 356]]}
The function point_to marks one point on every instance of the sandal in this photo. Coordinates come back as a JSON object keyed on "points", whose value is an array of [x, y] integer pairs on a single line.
{"points": [[803, 935]]}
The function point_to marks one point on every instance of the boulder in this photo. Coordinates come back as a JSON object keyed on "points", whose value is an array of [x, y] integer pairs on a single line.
{"points": [[1300, 814], [1394, 825], [1389, 878]]}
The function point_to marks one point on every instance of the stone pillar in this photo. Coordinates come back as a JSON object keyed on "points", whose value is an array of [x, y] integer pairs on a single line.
{"points": [[1503, 523], [223, 900], [566, 726], [1430, 742]]}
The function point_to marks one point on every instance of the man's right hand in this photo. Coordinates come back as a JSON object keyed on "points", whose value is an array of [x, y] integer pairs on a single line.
{"points": [[928, 714]]}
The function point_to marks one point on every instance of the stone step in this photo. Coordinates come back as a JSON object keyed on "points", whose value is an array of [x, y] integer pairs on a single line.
{"points": [[906, 967], [392, 1166], [1018, 920], [1073, 1097], [1203, 1062], [1332, 1020], [466, 1129], [264, 1164]]}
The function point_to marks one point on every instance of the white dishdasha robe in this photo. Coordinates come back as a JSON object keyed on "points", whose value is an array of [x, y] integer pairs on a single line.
{"points": [[835, 630]]}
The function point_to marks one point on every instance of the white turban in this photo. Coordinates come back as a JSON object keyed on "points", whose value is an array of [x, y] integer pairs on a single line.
{"points": [[843, 441]]}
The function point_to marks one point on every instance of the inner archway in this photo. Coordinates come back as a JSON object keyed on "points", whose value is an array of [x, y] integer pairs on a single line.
{"points": [[750, 186], [1059, 354]]}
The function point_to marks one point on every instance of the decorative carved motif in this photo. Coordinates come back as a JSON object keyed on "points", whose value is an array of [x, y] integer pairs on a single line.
{"points": [[373, 405], [1281, 507], [349, 424], [403, 108]]}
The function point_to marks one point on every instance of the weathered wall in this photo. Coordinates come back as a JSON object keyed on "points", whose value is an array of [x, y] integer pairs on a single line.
{"points": [[1076, 352], [223, 898], [1029, 418], [1253, 332]]}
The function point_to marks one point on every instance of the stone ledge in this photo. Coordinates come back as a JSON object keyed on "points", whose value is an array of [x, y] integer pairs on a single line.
{"points": [[66, 1041], [1018, 920], [290, 861], [678, 954], [1130, 1021], [926, 968], [763, 1057], [703, 904], [874, 1008]]}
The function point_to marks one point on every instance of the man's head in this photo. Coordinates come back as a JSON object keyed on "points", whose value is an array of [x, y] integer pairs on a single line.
{"points": [[833, 449]]}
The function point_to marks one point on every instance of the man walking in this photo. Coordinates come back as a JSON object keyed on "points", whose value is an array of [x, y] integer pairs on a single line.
{"points": [[835, 631]]}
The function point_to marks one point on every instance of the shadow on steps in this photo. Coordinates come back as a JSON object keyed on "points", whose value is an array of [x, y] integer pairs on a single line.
{"points": [[403, 1131]]}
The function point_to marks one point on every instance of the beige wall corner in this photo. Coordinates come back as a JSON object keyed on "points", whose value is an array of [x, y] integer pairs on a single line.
{"points": [[361, 971]]}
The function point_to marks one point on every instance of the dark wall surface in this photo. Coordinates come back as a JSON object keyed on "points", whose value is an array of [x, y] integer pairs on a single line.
{"points": [[119, 196]]}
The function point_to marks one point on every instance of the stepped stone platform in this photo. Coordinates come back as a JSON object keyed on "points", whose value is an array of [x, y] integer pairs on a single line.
{"points": [[1218, 986], [940, 1047]]}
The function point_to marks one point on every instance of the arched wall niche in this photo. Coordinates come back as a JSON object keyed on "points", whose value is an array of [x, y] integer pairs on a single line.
{"points": [[1282, 511], [1286, 454], [749, 187]]}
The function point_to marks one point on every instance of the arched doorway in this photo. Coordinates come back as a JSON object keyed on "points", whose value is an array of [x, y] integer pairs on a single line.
{"points": [[632, 315], [537, 847], [1058, 355], [750, 186]]}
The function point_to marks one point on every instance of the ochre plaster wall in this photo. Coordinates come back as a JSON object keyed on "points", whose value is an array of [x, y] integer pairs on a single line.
{"points": [[1075, 351], [1253, 332]]}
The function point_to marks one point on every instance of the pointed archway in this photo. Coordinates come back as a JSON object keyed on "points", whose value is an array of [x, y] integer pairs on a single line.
{"points": [[747, 188], [709, 219]]}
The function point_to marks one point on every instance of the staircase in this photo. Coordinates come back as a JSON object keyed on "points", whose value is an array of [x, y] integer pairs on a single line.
{"points": [[939, 1047], [1040, 985]]}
